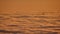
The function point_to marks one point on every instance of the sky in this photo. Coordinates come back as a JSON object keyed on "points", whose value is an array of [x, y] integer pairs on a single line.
{"points": [[33, 6]]}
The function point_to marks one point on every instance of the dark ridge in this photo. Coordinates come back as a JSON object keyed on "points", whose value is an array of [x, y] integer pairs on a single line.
{"points": [[52, 33], [21, 16], [4, 31], [45, 32], [50, 26], [13, 25], [20, 21], [40, 16], [41, 21], [42, 32], [18, 33], [1, 16], [4, 14], [57, 20], [57, 29], [38, 31], [4, 18]]}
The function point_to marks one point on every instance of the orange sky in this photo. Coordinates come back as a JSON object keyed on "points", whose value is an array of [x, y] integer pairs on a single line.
{"points": [[29, 5]]}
